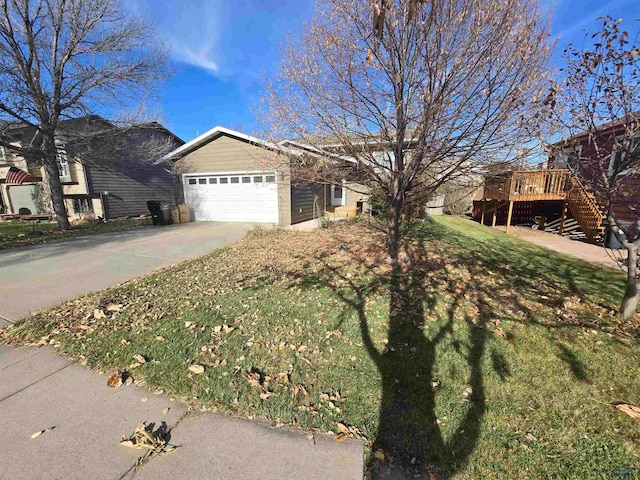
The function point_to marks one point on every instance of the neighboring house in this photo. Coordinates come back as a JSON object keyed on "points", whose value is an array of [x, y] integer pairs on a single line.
{"points": [[110, 183], [232, 177], [590, 156], [567, 197]]}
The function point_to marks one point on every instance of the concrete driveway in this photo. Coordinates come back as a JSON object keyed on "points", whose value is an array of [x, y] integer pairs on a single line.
{"points": [[33, 278]]}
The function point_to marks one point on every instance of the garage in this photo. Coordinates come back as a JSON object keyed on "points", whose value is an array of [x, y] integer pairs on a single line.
{"points": [[232, 197]]}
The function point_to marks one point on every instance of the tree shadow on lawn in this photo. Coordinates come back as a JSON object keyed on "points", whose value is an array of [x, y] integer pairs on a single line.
{"points": [[460, 293]]}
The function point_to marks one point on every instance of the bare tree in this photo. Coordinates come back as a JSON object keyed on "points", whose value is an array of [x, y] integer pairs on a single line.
{"points": [[429, 93], [599, 98], [61, 59]]}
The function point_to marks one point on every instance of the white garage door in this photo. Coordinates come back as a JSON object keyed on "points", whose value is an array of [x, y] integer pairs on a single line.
{"points": [[240, 197]]}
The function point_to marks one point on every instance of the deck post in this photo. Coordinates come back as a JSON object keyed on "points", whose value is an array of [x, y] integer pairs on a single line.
{"points": [[562, 218], [495, 214], [509, 215], [484, 207]]}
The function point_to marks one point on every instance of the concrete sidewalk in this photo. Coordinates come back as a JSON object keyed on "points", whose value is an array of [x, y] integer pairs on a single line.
{"points": [[40, 390]]}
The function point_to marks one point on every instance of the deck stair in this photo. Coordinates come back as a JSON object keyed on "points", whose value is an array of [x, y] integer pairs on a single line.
{"points": [[555, 184]]}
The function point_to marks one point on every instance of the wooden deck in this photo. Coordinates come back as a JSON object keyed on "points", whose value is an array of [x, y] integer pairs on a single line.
{"points": [[528, 186], [535, 185]]}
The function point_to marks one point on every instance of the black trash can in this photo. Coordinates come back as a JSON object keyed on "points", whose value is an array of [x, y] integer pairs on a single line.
{"points": [[160, 212]]}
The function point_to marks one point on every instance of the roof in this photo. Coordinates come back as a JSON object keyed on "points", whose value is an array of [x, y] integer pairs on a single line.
{"points": [[603, 127], [315, 150], [218, 131]]}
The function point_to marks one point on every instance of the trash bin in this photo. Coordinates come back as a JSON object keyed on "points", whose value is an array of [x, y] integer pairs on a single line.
{"points": [[160, 212]]}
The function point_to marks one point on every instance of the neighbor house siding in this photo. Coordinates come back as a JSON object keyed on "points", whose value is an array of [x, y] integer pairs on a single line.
{"points": [[130, 185], [228, 154]]}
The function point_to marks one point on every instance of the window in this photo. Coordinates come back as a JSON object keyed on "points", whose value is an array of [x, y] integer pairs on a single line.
{"points": [[82, 205], [63, 164], [270, 179], [257, 179], [202, 181], [235, 179], [224, 180], [337, 191], [621, 149], [3, 156], [213, 180], [569, 158], [246, 179], [192, 181]]}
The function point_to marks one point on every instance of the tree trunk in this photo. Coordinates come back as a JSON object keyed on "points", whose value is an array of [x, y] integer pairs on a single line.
{"points": [[52, 173], [393, 228], [632, 294]]}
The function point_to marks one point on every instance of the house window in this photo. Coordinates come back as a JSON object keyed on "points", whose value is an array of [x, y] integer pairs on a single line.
{"points": [[235, 180], [192, 181], [337, 191], [224, 180], [257, 179], [621, 149], [82, 205], [213, 180], [202, 181], [270, 179], [246, 179], [569, 158], [63, 164]]}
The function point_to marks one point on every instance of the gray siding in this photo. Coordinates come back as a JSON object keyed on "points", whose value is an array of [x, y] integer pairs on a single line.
{"points": [[307, 202], [130, 186]]}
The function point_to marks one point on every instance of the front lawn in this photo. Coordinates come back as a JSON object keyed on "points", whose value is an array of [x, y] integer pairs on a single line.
{"points": [[485, 357], [19, 233]]}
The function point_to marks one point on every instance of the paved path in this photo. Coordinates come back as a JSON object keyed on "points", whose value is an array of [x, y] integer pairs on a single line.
{"points": [[40, 390], [585, 251], [32, 278]]}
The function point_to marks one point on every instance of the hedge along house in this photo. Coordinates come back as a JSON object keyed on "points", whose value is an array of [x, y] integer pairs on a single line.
{"points": [[232, 177], [100, 170]]}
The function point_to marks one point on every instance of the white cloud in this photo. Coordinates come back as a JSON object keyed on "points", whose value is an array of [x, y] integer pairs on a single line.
{"points": [[191, 30]]}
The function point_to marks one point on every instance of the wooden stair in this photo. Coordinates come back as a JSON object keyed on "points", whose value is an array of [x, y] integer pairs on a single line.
{"points": [[341, 213]]}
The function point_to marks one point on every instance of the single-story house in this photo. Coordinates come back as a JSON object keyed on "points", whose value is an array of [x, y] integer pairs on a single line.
{"points": [[233, 177], [111, 186]]}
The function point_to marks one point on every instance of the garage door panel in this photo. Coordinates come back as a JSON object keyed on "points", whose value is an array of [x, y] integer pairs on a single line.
{"points": [[240, 202]]}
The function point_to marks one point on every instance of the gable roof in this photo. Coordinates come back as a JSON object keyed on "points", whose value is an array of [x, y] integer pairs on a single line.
{"points": [[312, 149], [218, 131]]}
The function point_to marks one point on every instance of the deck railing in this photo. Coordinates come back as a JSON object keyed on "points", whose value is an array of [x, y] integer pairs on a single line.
{"points": [[529, 185], [548, 185]]}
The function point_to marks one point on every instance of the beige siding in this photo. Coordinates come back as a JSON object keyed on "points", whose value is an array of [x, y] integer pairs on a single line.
{"points": [[228, 154], [78, 185], [354, 193]]}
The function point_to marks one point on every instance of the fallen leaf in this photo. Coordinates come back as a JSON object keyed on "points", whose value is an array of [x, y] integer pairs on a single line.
{"points": [[379, 455], [228, 329], [37, 434], [266, 395], [342, 437], [342, 428], [144, 399], [165, 411], [117, 379], [197, 369], [140, 359], [188, 324], [628, 409], [114, 307], [98, 314]]}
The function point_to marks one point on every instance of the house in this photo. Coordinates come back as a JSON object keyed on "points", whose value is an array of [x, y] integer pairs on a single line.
{"points": [[569, 195], [233, 177], [100, 169]]}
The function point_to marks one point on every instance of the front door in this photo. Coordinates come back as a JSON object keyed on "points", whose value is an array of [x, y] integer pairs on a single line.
{"points": [[337, 196]]}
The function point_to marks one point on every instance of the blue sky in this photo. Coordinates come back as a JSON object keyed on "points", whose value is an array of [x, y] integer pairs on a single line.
{"points": [[222, 49]]}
